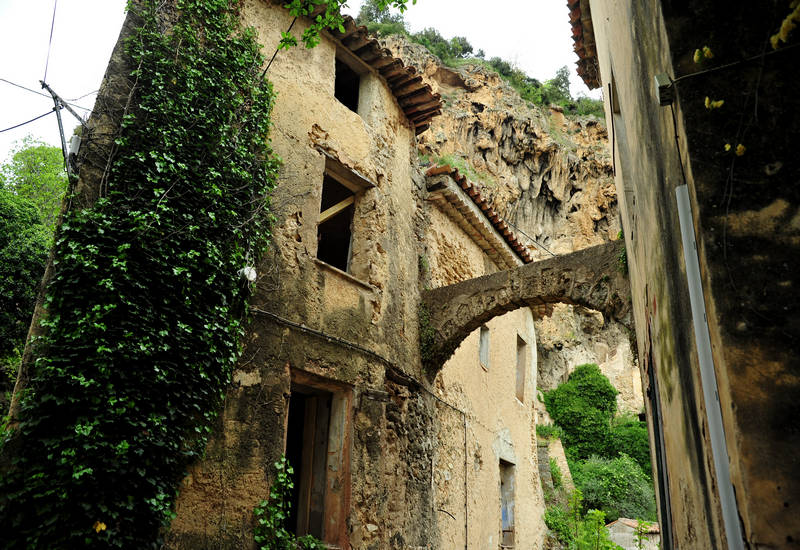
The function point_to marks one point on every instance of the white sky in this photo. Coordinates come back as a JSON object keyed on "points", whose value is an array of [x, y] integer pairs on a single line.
{"points": [[534, 34]]}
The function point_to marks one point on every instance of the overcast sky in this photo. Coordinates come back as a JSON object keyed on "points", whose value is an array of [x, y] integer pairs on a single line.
{"points": [[534, 34]]}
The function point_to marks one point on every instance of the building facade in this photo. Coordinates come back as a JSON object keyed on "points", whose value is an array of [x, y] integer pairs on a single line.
{"points": [[385, 453], [701, 103]]}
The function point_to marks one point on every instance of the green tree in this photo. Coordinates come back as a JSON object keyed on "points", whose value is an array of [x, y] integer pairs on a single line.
{"points": [[32, 184], [556, 90], [374, 11], [36, 172], [24, 242], [583, 407]]}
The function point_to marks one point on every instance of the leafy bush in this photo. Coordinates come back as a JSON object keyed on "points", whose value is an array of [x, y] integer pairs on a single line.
{"points": [[24, 243], [593, 534], [617, 486], [556, 519], [629, 435], [583, 407], [549, 431], [457, 47]]}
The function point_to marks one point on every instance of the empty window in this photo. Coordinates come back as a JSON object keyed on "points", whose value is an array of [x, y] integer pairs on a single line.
{"points": [[316, 440], [483, 347], [506, 504], [346, 86], [335, 229], [522, 367]]}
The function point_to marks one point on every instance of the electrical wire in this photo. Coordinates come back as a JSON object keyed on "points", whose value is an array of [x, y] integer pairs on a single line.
{"points": [[26, 122], [47, 95], [84, 95], [50, 43], [534, 241]]}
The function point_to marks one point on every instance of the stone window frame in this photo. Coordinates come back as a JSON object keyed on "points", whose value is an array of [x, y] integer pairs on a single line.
{"points": [[359, 67], [358, 185]]}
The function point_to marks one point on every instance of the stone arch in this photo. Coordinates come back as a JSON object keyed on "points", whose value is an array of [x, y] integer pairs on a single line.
{"points": [[592, 277]]}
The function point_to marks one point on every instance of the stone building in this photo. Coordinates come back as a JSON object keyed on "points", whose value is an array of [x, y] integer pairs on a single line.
{"points": [[386, 453], [701, 103]]}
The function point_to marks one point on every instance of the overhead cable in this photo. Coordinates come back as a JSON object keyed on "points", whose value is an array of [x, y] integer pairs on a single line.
{"points": [[47, 95], [50, 43], [26, 122]]}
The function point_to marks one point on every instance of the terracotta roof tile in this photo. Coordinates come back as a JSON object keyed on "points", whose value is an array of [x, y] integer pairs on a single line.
{"points": [[491, 214], [580, 17]]}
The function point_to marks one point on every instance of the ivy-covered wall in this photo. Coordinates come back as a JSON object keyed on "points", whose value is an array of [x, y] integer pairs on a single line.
{"points": [[148, 285]]}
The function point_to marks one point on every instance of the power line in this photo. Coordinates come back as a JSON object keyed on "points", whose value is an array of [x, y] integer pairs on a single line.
{"points": [[50, 43], [47, 95], [531, 238], [84, 95], [26, 122]]}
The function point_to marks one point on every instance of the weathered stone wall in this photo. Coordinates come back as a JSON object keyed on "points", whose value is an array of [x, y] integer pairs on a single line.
{"points": [[480, 419], [744, 211], [341, 331]]}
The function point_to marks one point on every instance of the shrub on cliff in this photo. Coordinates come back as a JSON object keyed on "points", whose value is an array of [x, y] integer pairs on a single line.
{"points": [[617, 486], [583, 407]]}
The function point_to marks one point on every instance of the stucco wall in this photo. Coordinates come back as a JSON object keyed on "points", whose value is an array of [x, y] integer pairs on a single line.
{"points": [[497, 427], [372, 309], [632, 44], [743, 210]]}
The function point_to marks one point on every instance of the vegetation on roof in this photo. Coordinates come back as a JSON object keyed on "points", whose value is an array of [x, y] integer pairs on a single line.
{"points": [[457, 51]]}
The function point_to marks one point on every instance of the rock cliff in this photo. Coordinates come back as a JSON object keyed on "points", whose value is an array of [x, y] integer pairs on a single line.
{"points": [[548, 175]]}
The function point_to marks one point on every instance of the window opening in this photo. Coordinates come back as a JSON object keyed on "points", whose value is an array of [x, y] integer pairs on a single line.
{"points": [[307, 452], [522, 367], [614, 95], [483, 347], [335, 229], [346, 85], [506, 504]]}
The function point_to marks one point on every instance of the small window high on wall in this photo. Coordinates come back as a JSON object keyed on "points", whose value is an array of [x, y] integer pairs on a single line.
{"points": [[347, 85], [483, 347], [522, 367]]}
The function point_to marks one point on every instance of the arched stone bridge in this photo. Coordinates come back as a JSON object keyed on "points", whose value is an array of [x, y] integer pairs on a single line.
{"points": [[591, 277]]}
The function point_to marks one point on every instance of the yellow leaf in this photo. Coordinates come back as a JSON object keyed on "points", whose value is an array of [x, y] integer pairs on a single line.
{"points": [[99, 526], [697, 56], [727, 146], [740, 149], [707, 53]]}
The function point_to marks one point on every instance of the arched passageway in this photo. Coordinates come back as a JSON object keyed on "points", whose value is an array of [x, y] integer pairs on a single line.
{"points": [[592, 277]]}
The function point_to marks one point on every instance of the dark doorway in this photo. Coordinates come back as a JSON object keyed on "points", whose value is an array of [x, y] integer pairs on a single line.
{"points": [[307, 451]]}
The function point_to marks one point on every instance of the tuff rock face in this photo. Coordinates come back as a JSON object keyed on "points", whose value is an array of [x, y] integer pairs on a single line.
{"points": [[548, 175]]}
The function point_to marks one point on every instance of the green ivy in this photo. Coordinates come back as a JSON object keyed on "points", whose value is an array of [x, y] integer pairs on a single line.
{"points": [[146, 304], [271, 515]]}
